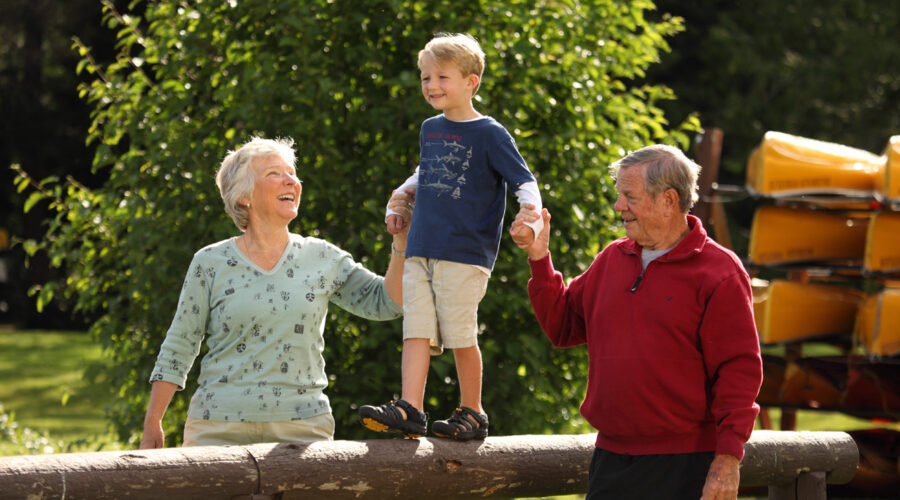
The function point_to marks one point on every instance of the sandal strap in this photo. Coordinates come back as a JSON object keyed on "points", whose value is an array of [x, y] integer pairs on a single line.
{"points": [[391, 410], [411, 411], [461, 415]]}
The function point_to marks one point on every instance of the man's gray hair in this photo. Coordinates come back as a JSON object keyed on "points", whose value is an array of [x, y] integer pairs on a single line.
{"points": [[667, 167], [235, 179]]}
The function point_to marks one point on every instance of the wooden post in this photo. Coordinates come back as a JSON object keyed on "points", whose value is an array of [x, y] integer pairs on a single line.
{"points": [[792, 353], [807, 486], [709, 209], [498, 467]]}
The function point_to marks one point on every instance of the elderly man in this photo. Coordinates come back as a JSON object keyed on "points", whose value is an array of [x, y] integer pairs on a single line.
{"points": [[667, 316]]}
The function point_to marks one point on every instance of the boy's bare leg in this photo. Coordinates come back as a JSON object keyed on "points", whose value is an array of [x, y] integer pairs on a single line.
{"points": [[468, 370], [414, 367]]}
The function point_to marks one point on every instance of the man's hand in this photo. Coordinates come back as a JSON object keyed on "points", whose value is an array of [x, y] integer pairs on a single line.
{"points": [[523, 235], [723, 479]]}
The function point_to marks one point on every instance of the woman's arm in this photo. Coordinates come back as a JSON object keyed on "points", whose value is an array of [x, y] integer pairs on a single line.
{"points": [[401, 203], [393, 277], [160, 397]]}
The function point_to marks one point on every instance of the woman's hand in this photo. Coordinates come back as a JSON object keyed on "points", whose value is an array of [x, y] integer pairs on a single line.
{"points": [[153, 437], [161, 393], [401, 202]]}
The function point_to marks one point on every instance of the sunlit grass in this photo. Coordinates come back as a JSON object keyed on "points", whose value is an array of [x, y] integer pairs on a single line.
{"points": [[42, 387]]}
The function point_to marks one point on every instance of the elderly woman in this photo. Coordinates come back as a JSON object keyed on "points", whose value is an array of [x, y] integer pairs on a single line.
{"points": [[261, 300]]}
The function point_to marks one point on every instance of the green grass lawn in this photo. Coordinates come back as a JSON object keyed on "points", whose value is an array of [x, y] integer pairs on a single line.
{"points": [[41, 385]]}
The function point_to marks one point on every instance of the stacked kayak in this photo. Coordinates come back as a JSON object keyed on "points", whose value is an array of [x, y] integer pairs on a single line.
{"points": [[786, 165], [826, 237], [878, 323], [789, 311]]}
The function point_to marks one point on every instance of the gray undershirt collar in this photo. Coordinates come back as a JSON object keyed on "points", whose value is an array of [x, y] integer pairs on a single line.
{"points": [[648, 256]]}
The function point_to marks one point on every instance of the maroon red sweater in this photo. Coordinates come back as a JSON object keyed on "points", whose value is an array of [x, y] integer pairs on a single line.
{"points": [[674, 355]]}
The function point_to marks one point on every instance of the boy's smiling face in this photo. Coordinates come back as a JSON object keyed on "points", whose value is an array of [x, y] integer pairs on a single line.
{"points": [[446, 88]]}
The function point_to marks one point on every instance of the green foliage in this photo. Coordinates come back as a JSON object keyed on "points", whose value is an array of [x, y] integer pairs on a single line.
{"points": [[824, 69], [18, 440], [192, 81]]}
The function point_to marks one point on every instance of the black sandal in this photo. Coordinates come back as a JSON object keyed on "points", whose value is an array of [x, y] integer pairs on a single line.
{"points": [[388, 418], [463, 425]]}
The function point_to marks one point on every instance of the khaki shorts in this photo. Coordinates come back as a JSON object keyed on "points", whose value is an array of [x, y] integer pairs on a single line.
{"points": [[198, 432], [440, 302]]}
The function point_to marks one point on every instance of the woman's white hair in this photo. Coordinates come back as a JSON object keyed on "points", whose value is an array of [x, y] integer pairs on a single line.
{"points": [[235, 179]]}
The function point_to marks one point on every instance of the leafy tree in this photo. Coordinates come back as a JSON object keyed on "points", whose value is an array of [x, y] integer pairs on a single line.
{"points": [[42, 124], [193, 80], [824, 69]]}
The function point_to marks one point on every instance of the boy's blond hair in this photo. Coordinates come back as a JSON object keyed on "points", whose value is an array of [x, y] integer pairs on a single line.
{"points": [[460, 49]]}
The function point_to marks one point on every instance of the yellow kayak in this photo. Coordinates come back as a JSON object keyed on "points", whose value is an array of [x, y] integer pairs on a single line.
{"points": [[890, 187], [786, 164], [878, 323], [782, 235], [883, 243], [786, 311]]}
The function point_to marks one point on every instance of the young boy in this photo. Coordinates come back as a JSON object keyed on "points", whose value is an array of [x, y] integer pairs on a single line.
{"points": [[466, 161]]}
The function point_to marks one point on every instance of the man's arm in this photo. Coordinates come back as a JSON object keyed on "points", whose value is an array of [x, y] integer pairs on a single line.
{"points": [[731, 354], [556, 306], [730, 349]]}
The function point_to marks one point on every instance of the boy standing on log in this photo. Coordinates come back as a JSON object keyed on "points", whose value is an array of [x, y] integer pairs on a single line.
{"points": [[466, 161]]}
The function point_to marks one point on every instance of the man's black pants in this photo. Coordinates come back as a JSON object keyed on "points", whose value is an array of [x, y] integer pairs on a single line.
{"points": [[641, 477]]}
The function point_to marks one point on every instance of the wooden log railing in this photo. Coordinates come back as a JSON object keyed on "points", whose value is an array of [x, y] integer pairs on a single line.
{"points": [[792, 464]]}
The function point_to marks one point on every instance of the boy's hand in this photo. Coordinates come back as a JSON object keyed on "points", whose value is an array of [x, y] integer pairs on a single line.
{"points": [[521, 233]]}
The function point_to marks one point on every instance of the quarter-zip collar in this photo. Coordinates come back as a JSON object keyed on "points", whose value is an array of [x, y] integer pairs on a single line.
{"points": [[692, 244]]}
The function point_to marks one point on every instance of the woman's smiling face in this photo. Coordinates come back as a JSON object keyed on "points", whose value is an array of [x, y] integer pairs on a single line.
{"points": [[276, 190]]}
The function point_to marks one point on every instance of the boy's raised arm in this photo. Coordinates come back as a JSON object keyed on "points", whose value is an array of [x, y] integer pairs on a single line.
{"points": [[528, 194], [409, 185], [395, 221]]}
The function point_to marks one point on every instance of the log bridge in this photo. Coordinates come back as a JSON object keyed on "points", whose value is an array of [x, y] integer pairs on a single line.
{"points": [[794, 465]]}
